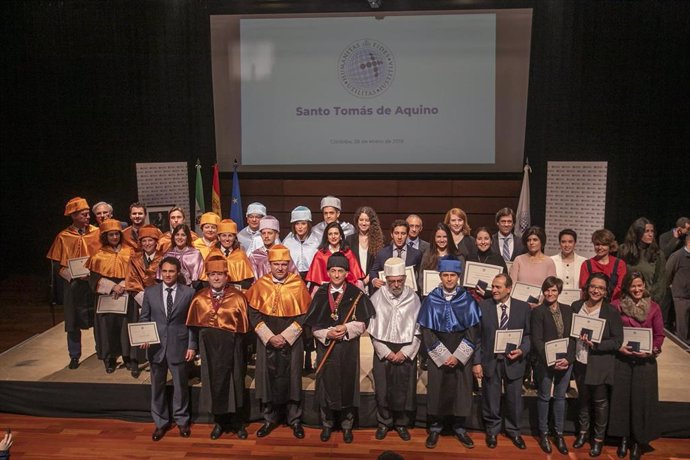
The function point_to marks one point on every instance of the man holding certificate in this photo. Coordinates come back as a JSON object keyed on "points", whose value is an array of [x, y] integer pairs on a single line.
{"points": [[449, 322], [166, 305], [70, 250], [395, 336], [500, 359], [279, 303]]}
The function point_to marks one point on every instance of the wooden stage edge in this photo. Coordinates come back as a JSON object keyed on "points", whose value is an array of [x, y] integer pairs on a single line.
{"points": [[34, 380]]}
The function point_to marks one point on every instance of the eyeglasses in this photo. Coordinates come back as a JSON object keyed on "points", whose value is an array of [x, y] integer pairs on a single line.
{"points": [[597, 288]]}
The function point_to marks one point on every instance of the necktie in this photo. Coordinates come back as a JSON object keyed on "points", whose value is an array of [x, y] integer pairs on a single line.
{"points": [[399, 252], [169, 302], [506, 249], [227, 252], [503, 324], [81, 231], [147, 261], [410, 244]]}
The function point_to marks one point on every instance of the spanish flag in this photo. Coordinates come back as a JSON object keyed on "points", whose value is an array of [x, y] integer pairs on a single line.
{"points": [[215, 192]]}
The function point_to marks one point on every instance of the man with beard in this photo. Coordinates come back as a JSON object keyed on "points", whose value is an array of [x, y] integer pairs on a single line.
{"points": [[137, 216], [218, 316], [279, 303], [395, 336]]}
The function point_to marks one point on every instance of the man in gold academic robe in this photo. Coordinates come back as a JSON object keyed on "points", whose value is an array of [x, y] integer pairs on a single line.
{"points": [[143, 266], [137, 217], [278, 305], [218, 314], [76, 243]]}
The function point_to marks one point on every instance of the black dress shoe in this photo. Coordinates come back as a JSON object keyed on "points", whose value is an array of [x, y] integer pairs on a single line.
{"points": [[622, 450], [635, 451], [73, 363], [347, 436], [465, 439], [580, 440], [491, 441], [561, 446], [110, 365], [298, 431], [158, 433], [381, 432], [518, 441], [431, 440], [136, 372], [595, 451], [265, 429], [403, 433], [326, 434], [242, 432], [217, 431], [544, 443], [185, 430]]}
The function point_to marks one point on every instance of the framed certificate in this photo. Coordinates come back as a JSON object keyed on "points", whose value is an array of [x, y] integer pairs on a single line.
{"points": [[107, 304], [430, 282], [638, 338], [480, 274], [592, 327], [76, 267], [526, 292], [507, 340], [555, 350], [141, 333], [569, 296], [410, 281]]}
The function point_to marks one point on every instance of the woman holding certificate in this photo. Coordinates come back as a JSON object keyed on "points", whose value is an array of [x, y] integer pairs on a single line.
{"points": [[485, 255], [533, 267], [555, 352], [456, 219], [191, 262], [599, 332], [440, 246], [635, 392], [109, 268]]}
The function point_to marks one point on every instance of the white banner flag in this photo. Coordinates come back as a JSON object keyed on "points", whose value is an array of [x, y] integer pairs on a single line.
{"points": [[523, 212]]}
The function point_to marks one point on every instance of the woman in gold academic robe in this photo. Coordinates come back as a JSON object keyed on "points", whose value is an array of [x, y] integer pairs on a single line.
{"points": [[109, 268]]}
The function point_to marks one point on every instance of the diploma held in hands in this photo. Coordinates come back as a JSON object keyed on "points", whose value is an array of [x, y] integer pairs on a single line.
{"points": [[108, 304], [507, 340], [431, 281], [477, 274], [526, 292], [555, 350], [76, 267], [589, 326], [141, 333], [638, 338]]}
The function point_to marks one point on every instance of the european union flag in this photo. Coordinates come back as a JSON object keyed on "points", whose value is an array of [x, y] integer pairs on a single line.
{"points": [[236, 201]]}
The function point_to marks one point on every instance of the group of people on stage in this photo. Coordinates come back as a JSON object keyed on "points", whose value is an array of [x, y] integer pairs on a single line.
{"points": [[325, 285]]}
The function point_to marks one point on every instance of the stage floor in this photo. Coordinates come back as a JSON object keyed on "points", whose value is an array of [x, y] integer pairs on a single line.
{"points": [[37, 368]]}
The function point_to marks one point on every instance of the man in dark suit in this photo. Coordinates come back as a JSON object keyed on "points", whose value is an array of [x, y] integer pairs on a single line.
{"points": [[502, 313], [397, 248], [167, 305], [413, 238], [505, 242]]}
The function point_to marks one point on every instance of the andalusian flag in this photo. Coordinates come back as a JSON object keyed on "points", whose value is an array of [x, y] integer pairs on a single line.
{"points": [[215, 192], [523, 209], [199, 207]]}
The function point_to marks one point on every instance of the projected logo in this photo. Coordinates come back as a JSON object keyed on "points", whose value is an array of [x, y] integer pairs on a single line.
{"points": [[366, 68]]}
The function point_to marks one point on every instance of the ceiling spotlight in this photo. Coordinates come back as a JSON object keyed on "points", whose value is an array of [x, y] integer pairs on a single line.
{"points": [[374, 3]]}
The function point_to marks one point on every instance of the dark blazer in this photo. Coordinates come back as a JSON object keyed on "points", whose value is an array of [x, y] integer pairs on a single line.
{"points": [[543, 329], [519, 319], [412, 258], [423, 245], [518, 247], [176, 338], [353, 242], [601, 359]]}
